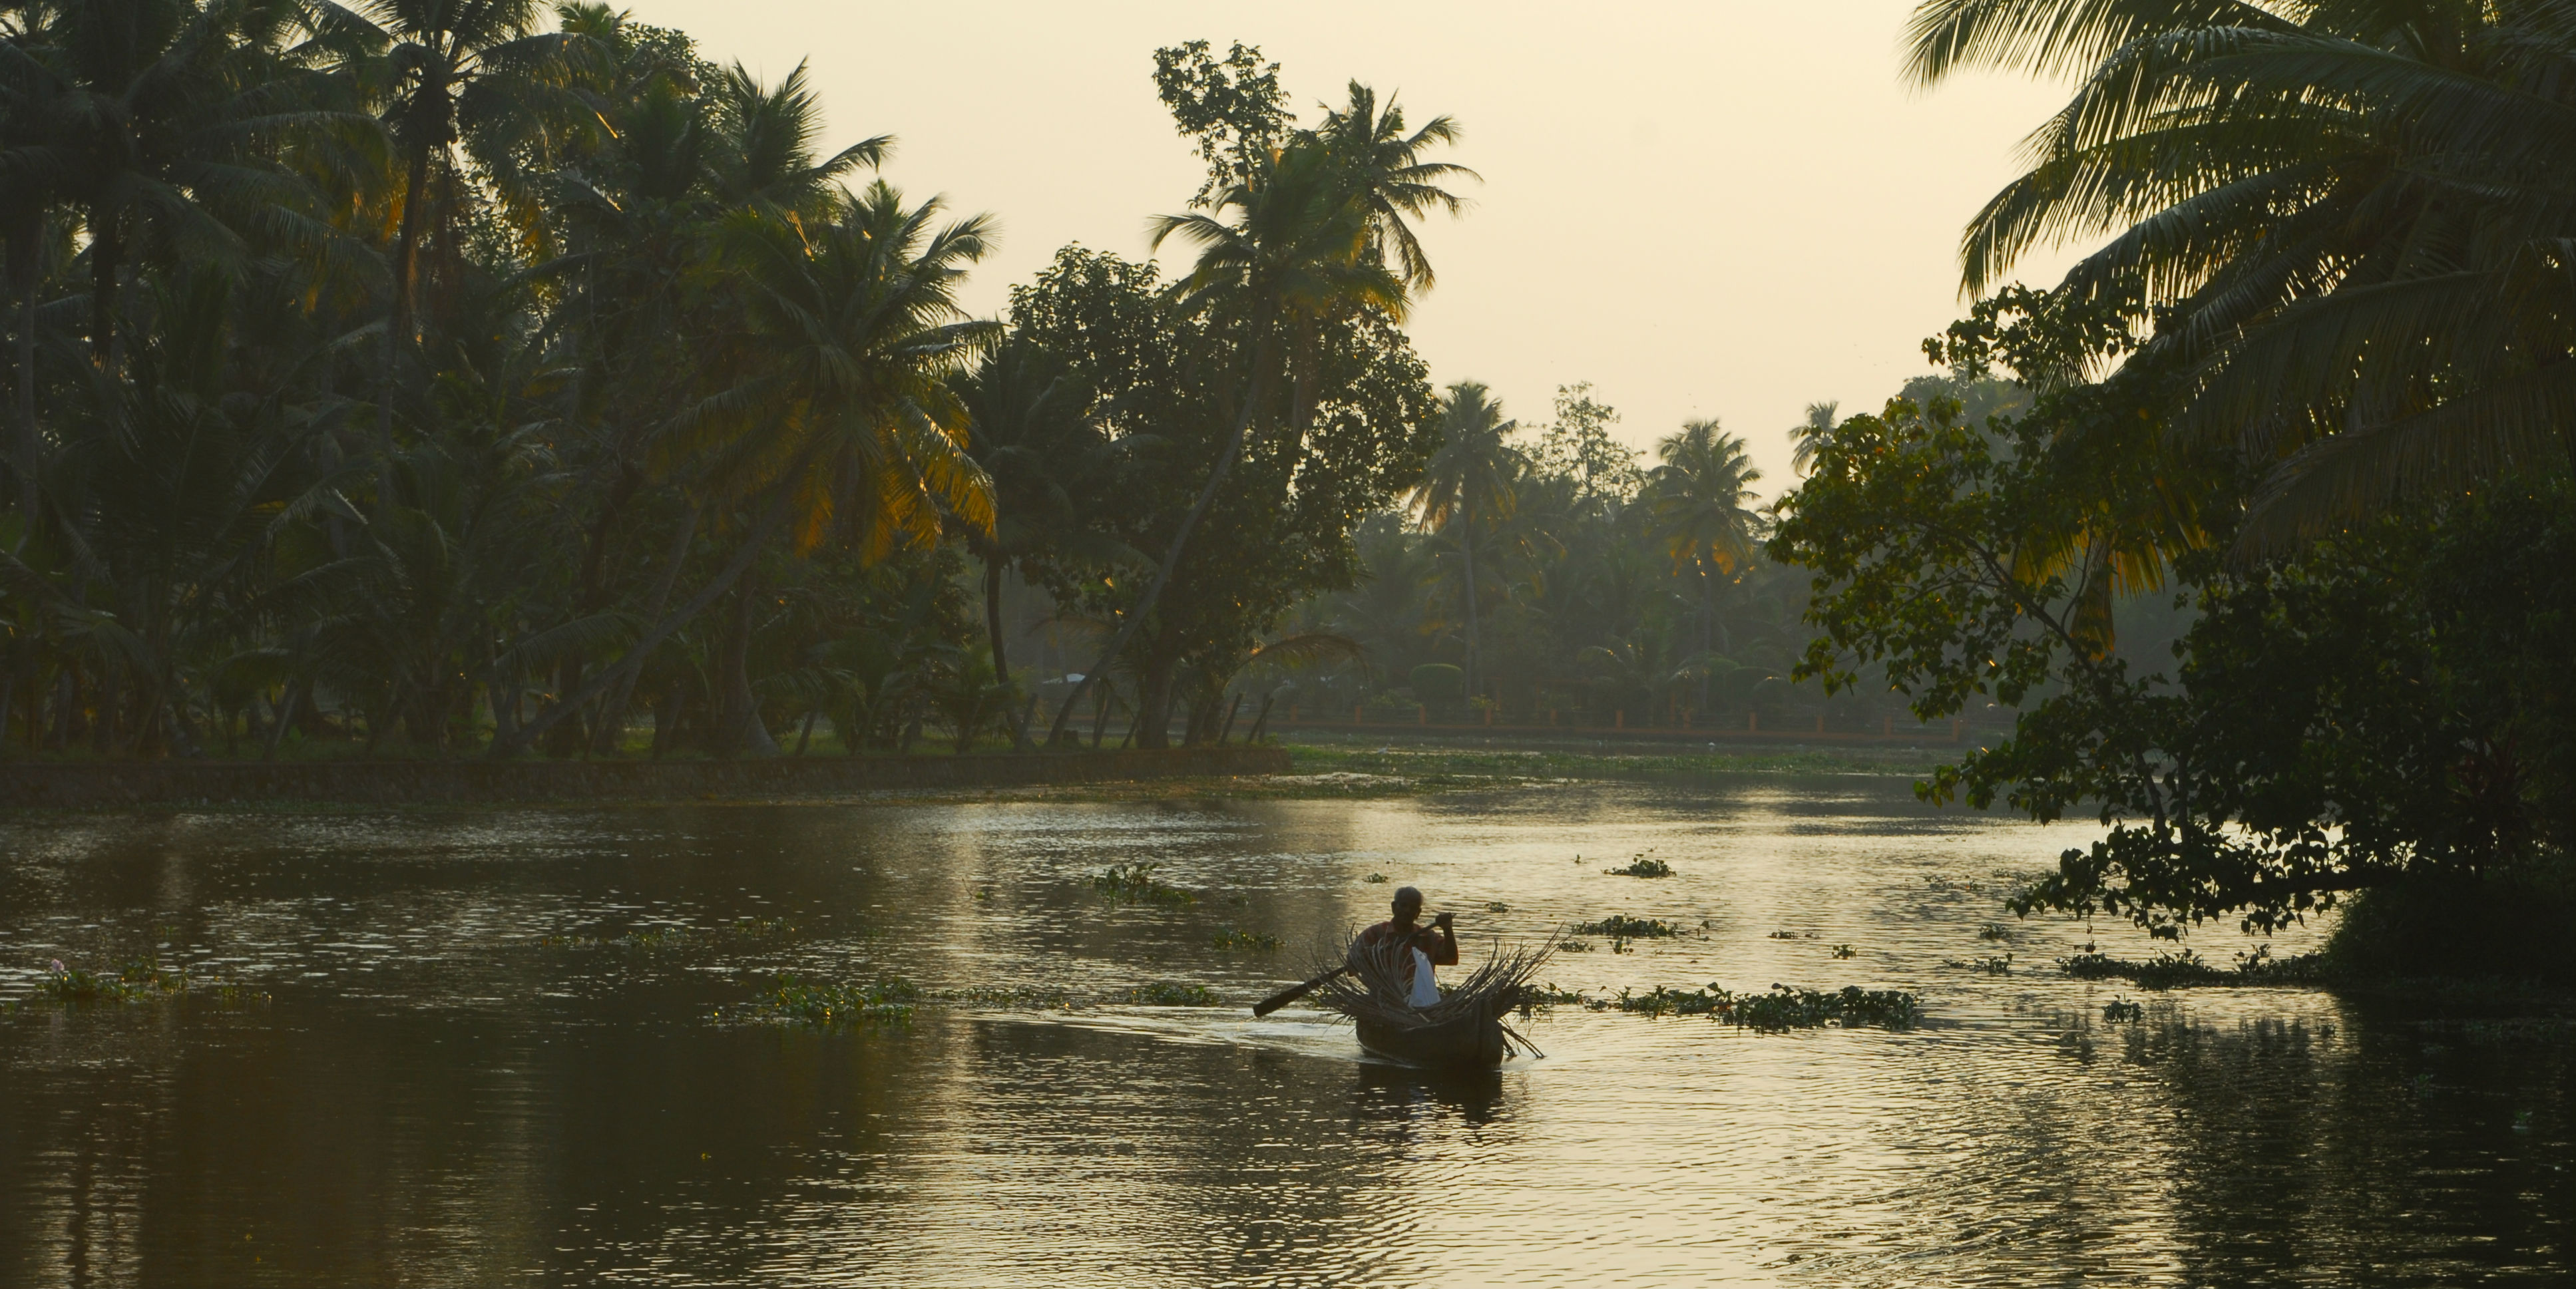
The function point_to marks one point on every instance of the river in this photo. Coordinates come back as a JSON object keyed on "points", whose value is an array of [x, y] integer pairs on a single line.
{"points": [[507, 1047]]}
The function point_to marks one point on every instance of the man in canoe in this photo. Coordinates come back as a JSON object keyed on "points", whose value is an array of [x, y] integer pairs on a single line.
{"points": [[1415, 949]]}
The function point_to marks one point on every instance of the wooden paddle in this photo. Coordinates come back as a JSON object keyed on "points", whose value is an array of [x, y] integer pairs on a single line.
{"points": [[1293, 992]]}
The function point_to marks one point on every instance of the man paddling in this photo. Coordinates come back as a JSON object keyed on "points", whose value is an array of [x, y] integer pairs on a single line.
{"points": [[1414, 949]]}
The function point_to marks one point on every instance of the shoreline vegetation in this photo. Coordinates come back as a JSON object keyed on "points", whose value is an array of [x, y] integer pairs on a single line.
{"points": [[1269, 771]]}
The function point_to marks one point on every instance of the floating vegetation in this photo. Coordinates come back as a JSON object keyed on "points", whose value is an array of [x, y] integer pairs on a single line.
{"points": [[2183, 969], [1136, 884], [1782, 1008], [1991, 966], [1792, 935], [1167, 994], [1623, 927], [1641, 866], [887, 1001], [983, 895], [1227, 937], [1994, 931], [1375, 879], [1845, 951], [1022, 996], [141, 980], [1497, 906], [2120, 1011], [1575, 946], [1536, 996]]}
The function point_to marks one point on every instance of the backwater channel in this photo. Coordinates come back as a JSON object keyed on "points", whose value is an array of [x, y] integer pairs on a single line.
{"points": [[487, 1049]]}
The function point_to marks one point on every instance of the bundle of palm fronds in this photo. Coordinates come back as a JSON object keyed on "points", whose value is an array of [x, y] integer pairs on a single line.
{"points": [[1373, 989]]}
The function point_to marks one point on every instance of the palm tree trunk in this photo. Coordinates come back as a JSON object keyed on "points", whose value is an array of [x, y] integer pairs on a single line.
{"points": [[1172, 557], [24, 232], [1467, 521], [398, 326], [993, 628], [106, 258], [773, 516], [1707, 629], [739, 728], [611, 722]]}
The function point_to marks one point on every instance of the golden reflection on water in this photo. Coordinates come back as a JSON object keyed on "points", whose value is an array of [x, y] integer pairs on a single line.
{"points": [[435, 1094]]}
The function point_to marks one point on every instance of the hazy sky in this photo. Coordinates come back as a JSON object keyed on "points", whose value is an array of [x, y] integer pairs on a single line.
{"points": [[1710, 208]]}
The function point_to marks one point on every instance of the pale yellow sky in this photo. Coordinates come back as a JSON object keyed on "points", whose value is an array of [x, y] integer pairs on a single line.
{"points": [[1717, 208]]}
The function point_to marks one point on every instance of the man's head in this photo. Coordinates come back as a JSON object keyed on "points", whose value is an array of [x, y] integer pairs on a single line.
{"points": [[1408, 906]]}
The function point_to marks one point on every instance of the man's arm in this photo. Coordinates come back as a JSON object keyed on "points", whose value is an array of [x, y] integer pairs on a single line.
{"points": [[1444, 949]]}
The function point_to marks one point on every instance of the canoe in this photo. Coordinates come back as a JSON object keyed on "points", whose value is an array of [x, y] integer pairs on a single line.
{"points": [[1469, 1042]]}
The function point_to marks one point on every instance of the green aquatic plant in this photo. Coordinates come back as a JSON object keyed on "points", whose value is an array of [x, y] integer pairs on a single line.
{"points": [[1497, 906], [1994, 931], [1782, 1008], [1548, 995], [1641, 866], [1168, 994], [1574, 946], [140, 980], [1227, 937], [2182, 969], [1845, 951], [1791, 935], [1375, 879], [1136, 884], [889, 1000], [2122, 1011], [1622, 927], [1022, 996]]}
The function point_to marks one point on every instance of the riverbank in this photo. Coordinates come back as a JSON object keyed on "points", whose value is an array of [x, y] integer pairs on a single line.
{"points": [[96, 785]]}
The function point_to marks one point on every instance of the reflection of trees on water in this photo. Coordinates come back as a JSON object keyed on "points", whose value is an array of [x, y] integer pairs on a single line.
{"points": [[2325, 1146]]}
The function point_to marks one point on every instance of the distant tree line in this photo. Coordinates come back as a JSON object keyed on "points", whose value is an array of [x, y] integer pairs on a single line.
{"points": [[458, 377]]}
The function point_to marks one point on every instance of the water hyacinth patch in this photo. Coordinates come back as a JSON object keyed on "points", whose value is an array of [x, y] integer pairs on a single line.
{"points": [[1136, 884], [1782, 1008], [2184, 968], [1168, 994], [1641, 866], [891, 1000], [1623, 927], [141, 980], [1227, 937]]}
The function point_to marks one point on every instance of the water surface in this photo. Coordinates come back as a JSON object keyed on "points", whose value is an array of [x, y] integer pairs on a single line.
{"points": [[490, 1052]]}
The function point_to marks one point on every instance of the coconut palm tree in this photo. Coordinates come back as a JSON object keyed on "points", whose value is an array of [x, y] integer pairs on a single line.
{"points": [[460, 71], [833, 413], [1700, 510], [1384, 165], [1032, 428], [1279, 256], [2341, 214], [1809, 434], [1470, 476]]}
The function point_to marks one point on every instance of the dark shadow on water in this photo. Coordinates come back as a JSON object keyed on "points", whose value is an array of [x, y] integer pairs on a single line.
{"points": [[1395, 1093]]}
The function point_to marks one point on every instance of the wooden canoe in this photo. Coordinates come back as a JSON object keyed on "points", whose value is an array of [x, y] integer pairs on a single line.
{"points": [[1469, 1042]]}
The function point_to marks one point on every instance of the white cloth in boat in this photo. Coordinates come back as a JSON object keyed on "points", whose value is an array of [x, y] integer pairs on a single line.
{"points": [[1425, 990]]}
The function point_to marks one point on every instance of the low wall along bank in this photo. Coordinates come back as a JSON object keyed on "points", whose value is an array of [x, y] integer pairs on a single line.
{"points": [[38, 784]]}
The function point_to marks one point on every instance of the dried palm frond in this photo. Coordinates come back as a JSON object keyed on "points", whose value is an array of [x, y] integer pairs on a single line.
{"points": [[1374, 990]]}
